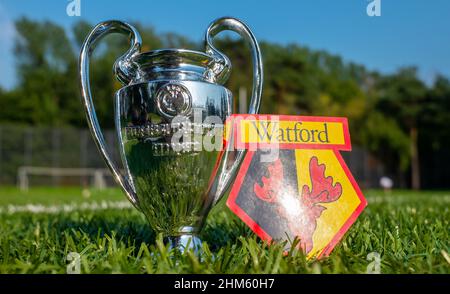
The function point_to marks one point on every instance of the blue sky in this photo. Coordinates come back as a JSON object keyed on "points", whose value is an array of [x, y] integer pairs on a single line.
{"points": [[408, 32]]}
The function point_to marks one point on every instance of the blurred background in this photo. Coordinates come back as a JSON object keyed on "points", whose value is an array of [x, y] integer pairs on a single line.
{"points": [[386, 67]]}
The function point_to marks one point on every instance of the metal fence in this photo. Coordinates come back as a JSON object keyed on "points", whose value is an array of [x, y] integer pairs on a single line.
{"points": [[74, 149], [63, 147]]}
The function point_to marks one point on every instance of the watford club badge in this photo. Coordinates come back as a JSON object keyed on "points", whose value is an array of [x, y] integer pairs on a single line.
{"points": [[303, 188]]}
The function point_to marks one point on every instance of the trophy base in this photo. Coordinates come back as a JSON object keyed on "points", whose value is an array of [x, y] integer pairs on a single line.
{"points": [[186, 241]]}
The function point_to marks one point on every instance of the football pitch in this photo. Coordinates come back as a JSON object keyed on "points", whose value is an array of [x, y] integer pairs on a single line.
{"points": [[407, 232]]}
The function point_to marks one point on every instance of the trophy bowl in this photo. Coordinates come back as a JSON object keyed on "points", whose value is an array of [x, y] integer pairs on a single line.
{"points": [[170, 116]]}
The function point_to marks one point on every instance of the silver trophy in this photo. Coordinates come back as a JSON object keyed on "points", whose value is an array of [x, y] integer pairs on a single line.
{"points": [[174, 182]]}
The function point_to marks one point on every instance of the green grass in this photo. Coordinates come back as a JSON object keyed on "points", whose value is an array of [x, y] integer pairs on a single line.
{"points": [[56, 196], [409, 230]]}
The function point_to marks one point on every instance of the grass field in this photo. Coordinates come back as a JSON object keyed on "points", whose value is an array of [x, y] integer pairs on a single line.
{"points": [[39, 228]]}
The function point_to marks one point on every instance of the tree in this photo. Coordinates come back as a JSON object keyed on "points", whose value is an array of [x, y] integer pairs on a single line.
{"points": [[402, 96], [434, 136], [46, 67], [395, 116]]}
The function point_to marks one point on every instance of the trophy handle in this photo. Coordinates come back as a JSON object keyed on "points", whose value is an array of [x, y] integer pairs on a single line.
{"points": [[228, 171], [124, 74]]}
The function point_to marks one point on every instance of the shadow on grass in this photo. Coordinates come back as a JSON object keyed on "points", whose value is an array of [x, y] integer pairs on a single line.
{"points": [[127, 226]]}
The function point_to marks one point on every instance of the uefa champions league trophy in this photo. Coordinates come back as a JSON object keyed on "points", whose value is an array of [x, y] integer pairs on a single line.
{"points": [[174, 182]]}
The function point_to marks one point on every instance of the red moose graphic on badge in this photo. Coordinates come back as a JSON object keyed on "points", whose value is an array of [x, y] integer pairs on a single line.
{"points": [[302, 219], [306, 192]]}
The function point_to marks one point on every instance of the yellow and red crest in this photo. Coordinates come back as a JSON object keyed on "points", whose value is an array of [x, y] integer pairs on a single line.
{"points": [[303, 190]]}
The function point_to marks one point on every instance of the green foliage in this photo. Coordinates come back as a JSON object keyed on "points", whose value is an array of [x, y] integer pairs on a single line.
{"points": [[47, 70], [382, 109], [409, 230], [382, 136], [402, 95]]}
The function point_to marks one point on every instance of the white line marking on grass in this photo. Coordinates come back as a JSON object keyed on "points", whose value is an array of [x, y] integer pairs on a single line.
{"points": [[445, 254], [402, 199], [53, 209]]}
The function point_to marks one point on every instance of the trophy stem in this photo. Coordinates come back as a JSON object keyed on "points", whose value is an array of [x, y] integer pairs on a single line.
{"points": [[187, 240]]}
